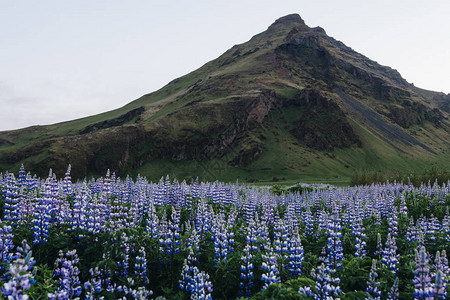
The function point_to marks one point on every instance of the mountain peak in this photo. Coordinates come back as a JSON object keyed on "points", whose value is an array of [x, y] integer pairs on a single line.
{"points": [[287, 23], [288, 19]]}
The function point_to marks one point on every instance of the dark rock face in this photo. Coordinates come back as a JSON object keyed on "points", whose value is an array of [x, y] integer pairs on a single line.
{"points": [[2, 141], [225, 128], [89, 153], [414, 114], [123, 119], [323, 125]]}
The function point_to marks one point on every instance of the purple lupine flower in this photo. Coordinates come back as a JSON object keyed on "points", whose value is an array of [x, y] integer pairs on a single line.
{"points": [[269, 264], [20, 275], [262, 232], [193, 240], [403, 208], [6, 245], [393, 293], [106, 186], [187, 272], [390, 256], [220, 238], [106, 275], [327, 287], [322, 221], [123, 263], [11, 197], [422, 278], [306, 291], [309, 223], [372, 284], [169, 233], [440, 276], [94, 284], [22, 176], [393, 223], [67, 272], [277, 232], [203, 218], [444, 263], [411, 231], [41, 221], [327, 277], [194, 282], [174, 227], [379, 250], [247, 267], [250, 237], [439, 287], [129, 290], [67, 182], [229, 229], [140, 266], [202, 287], [358, 232], [334, 244], [433, 227], [286, 233], [141, 293], [296, 254]]}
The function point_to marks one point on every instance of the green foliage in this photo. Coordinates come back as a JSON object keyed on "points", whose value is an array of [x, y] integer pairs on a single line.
{"points": [[425, 206], [354, 275], [286, 291], [434, 174], [279, 189], [45, 283], [300, 189]]}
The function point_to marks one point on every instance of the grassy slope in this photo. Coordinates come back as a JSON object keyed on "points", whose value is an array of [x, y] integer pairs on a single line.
{"points": [[284, 161]]}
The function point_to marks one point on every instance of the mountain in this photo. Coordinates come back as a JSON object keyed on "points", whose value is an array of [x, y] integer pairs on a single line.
{"points": [[291, 103]]}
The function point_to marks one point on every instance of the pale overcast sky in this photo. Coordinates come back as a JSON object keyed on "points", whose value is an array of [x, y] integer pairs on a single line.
{"points": [[61, 60]]}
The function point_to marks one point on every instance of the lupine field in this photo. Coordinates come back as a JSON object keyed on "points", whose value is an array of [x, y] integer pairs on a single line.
{"points": [[111, 238]]}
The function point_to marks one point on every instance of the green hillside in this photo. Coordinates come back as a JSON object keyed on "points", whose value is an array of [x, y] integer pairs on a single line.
{"points": [[290, 104]]}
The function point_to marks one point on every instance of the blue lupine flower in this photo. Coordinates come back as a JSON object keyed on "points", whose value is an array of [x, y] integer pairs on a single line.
{"points": [[372, 284], [187, 272], [140, 266], [20, 275], [309, 223], [11, 196], [358, 232], [271, 273], [94, 284], [6, 246], [390, 256], [41, 220], [422, 278], [194, 282], [296, 254], [67, 272], [327, 287], [393, 294], [440, 275], [247, 267], [220, 238], [67, 182]]}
